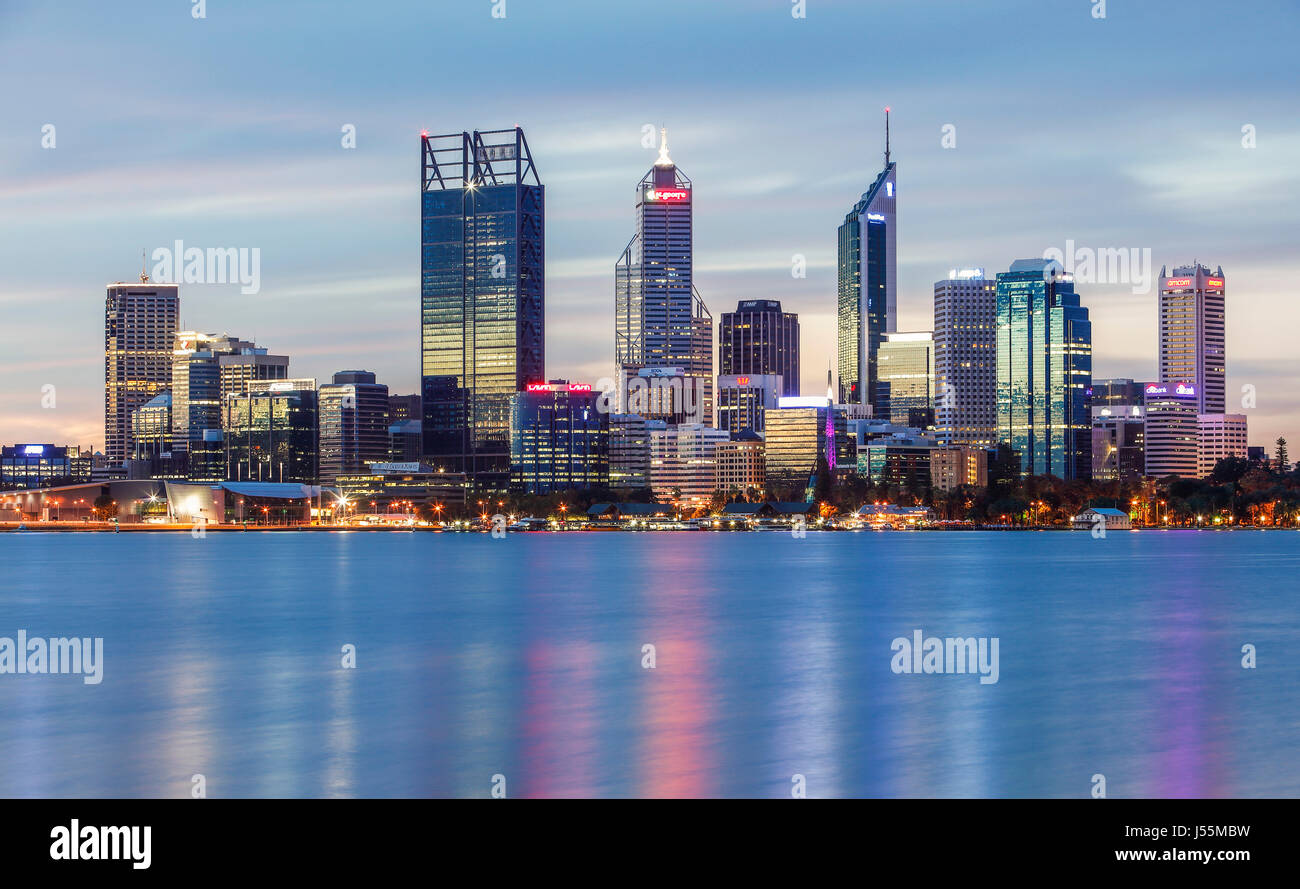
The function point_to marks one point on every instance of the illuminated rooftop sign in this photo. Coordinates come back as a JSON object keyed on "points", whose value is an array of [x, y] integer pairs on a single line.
{"points": [[1179, 282], [668, 195], [558, 387], [33, 450]]}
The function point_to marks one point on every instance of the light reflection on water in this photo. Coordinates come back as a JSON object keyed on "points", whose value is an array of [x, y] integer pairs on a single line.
{"points": [[522, 658]]}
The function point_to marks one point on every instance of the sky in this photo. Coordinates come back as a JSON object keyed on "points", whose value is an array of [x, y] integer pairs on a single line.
{"points": [[1017, 127]]}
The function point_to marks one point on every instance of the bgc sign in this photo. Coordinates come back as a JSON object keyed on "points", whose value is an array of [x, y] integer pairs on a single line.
{"points": [[668, 195]]}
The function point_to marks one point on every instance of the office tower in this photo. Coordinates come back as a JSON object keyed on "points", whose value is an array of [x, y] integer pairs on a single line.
{"points": [[797, 436], [140, 322], [682, 464], [1172, 434], [26, 466], [905, 379], [403, 407], [353, 424], [744, 399], [1044, 355], [965, 359], [759, 339], [151, 432], [900, 460], [1192, 333], [481, 295], [660, 320], [270, 432], [740, 464], [1219, 436], [1118, 442], [629, 452], [559, 438], [951, 468], [867, 283], [244, 363]]}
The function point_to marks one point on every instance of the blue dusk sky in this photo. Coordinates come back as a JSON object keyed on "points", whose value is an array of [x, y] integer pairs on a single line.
{"points": [[1117, 132]]}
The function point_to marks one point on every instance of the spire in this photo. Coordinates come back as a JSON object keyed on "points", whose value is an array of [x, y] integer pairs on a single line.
{"points": [[663, 160], [830, 390], [886, 136], [144, 276]]}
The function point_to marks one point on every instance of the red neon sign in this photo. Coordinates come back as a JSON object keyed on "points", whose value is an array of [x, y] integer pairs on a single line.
{"points": [[1179, 282], [1214, 282], [742, 381], [547, 387], [668, 195]]}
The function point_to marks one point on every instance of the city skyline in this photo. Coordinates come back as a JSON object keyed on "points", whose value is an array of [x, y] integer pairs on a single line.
{"points": [[208, 176]]}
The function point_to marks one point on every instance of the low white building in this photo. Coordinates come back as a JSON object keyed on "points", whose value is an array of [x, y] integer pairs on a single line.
{"points": [[1111, 519]]}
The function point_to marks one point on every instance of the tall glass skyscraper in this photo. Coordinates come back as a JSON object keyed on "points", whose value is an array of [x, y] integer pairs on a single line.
{"points": [[867, 283], [905, 380], [482, 291], [1044, 354], [660, 320]]}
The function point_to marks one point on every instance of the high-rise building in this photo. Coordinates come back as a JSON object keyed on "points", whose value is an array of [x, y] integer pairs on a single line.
{"points": [[866, 285], [24, 466], [270, 432], [759, 339], [1172, 432], [1220, 436], [629, 452], [1192, 333], [482, 292], [660, 320], [1118, 442], [965, 359], [682, 462], [800, 432], [1044, 355], [559, 438], [744, 399], [905, 379], [1116, 394], [403, 407], [140, 322], [353, 424]]}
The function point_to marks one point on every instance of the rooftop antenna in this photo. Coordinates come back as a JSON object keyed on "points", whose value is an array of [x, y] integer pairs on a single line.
{"points": [[663, 160], [144, 276], [886, 135]]}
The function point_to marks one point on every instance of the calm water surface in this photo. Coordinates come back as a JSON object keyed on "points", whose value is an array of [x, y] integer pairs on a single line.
{"points": [[523, 657]]}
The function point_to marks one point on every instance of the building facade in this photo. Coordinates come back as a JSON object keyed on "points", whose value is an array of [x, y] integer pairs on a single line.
{"points": [[1219, 436], [353, 424], [1172, 436], [866, 283], [559, 438], [482, 295], [951, 468], [660, 320], [740, 464], [629, 452], [1192, 337], [1044, 357], [683, 466], [140, 324], [745, 399], [26, 466], [1118, 443], [800, 432], [965, 359], [269, 433], [758, 339], [905, 379]]}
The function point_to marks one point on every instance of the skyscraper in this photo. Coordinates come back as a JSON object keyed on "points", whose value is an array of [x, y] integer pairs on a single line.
{"points": [[1172, 431], [867, 283], [270, 432], [140, 322], [559, 438], [1044, 355], [353, 422], [758, 338], [482, 292], [1192, 333], [905, 379], [965, 359], [660, 320]]}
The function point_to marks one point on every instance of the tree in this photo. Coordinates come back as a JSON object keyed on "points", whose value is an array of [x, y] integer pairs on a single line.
{"points": [[1279, 455]]}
